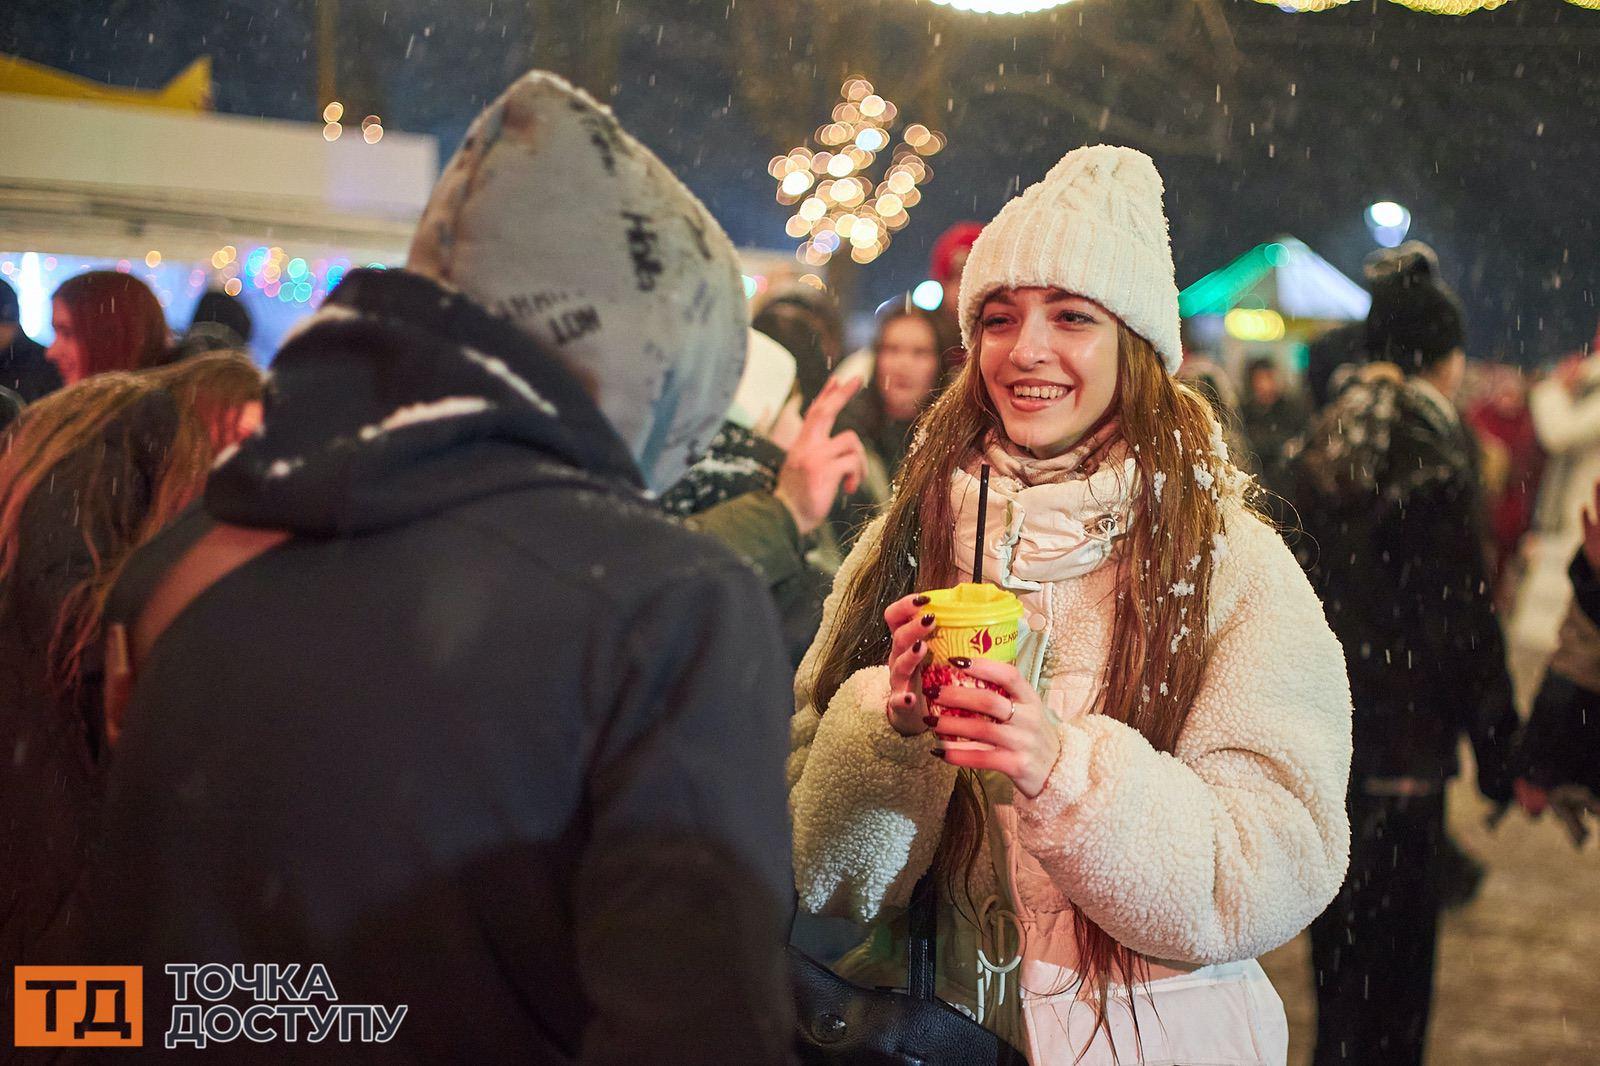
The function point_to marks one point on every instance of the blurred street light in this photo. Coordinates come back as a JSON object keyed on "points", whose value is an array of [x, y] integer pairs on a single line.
{"points": [[1388, 222]]}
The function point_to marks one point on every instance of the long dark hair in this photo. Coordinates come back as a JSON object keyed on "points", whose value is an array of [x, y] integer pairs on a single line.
{"points": [[140, 447], [1159, 646]]}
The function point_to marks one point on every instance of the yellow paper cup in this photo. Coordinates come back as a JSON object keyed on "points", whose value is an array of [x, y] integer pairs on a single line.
{"points": [[975, 621]]}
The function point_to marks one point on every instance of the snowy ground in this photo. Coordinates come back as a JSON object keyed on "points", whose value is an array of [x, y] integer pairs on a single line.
{"points": [[1519, 967]]}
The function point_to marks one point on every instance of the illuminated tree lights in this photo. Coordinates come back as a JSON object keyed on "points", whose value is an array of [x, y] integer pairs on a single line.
{"points": [[839, 202], [1001, 7]]}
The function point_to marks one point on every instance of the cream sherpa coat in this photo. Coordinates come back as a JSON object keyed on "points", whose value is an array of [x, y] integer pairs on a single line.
{"points": [[1221, 851]]}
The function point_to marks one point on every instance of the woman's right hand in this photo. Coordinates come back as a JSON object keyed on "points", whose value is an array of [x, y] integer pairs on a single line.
{"points": [[910, 625]]}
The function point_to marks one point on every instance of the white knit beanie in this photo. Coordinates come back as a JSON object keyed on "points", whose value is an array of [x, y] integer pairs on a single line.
{"points": [[1094, 227], [552, 216]]}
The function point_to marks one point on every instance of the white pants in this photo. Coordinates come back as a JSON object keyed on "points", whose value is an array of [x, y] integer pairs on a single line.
{"points": [[1226, 1015]]}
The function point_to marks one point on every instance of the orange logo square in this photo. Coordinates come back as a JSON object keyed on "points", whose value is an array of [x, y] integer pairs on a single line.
{"points": [[79, 1006]]}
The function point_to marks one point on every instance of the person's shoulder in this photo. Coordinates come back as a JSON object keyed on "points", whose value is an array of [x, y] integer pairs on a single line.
{"points": [[618, 542]]}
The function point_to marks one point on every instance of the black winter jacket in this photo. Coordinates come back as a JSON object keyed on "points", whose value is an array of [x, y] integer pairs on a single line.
{"points": [[489, 736], [1388, 493], [1560, 744], [25, 370]]}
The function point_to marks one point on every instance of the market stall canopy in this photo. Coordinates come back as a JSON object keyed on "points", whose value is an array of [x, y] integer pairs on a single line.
{"points": [[1284, 275], [92, 178], [189, 91]]}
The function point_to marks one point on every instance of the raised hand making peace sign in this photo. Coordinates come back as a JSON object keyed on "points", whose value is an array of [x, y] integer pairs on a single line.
{"points": [[818, 461]]}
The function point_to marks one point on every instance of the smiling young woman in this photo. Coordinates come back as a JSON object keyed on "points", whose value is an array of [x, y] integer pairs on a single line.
{"points": [[1159, 794]]}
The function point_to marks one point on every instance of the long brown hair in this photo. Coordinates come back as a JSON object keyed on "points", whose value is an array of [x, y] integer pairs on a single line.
{"points": [[135, 454], [215, 387], [1159, 645], [117, 321]]}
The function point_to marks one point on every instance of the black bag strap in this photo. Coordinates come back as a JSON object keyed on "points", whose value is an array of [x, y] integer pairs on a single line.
{"points": [[922, 933]]}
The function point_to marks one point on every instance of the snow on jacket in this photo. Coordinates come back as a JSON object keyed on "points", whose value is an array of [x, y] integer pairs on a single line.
{"points": [[1220, 851]]}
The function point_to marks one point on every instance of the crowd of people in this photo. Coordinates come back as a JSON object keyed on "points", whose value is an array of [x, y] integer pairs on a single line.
{"points": [[535, 677]]}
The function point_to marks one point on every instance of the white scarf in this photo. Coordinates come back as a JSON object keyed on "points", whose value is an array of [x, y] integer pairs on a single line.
{"points": [[1047, 520]]}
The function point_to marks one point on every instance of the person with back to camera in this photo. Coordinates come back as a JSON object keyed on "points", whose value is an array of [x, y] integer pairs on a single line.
{"points": [[87, 475], [471, 722], [1157, 792]]}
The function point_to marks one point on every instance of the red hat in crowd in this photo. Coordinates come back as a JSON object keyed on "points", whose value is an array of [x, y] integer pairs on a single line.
{"points": [[957, 238]]}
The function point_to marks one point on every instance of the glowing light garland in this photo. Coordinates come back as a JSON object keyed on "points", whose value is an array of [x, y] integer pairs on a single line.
{"points": [[1002, 7], [1431, 7], [839, 202]]}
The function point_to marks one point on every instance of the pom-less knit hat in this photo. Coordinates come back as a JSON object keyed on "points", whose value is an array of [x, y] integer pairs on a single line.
{"points": [[553, 217], [1094, 227]]}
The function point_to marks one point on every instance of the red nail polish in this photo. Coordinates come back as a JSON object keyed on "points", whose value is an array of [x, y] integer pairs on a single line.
{"points": [[917, 647], [927, 619], [930, 720], [960, 662], [938, 753], [919, 601]]}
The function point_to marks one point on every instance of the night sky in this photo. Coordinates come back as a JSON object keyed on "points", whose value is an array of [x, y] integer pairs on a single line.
{"points": [[1262, 121]]}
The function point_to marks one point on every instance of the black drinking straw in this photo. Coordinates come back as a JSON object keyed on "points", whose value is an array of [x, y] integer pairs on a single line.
{"points": [[983, 520]]}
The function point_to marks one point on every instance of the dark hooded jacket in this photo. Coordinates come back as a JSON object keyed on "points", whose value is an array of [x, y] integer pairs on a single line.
{"points": [[1387, 491], [489, 736]]}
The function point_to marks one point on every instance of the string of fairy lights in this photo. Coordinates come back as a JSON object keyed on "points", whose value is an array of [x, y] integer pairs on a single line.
{"points": [[1432, 7], [839, 203]]}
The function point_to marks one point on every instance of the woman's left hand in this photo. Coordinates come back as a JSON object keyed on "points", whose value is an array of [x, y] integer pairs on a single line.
{"points": [[1025, 742]]}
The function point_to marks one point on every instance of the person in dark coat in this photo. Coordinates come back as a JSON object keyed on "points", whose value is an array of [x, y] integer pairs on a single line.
{"points": [[1558, 753], [1391, 502], [220, 323], [87, 475], [487, 734], [1272, 416], [24, 369], [764, 501]]}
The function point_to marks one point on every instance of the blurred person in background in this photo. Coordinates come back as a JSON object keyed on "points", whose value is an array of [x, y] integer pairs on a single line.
{"points": [[106, 320], [1565, 407], [905, 376], [1558, 763], [1513, 465], [1389, 495], [1273, 415], [87, 475], [806, 322], [220, 322], [946, 263], [498, 740], [1345, 348], [24, 369], [768, 478]]}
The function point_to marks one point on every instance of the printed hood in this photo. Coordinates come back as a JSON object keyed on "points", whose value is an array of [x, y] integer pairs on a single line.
{"points": [[554, 218]]}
